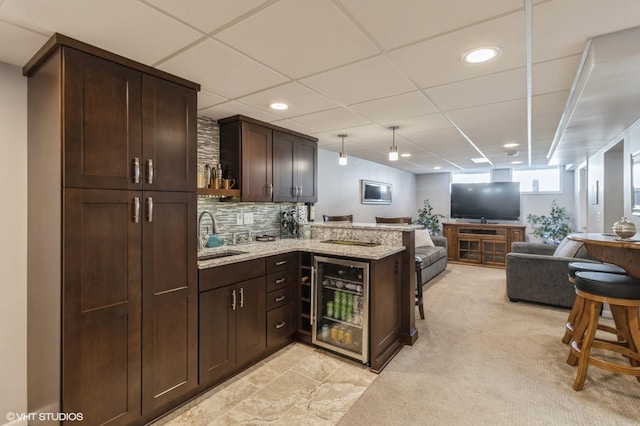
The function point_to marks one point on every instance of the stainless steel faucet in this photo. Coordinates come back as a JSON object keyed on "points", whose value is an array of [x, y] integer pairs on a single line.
{"points": [[202, 243]]}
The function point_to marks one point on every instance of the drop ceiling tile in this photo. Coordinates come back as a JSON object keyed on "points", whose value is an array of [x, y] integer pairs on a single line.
{"points": [[207, 15], [497, 113], [299, 38], [339, 118], [561, 28], [395, 107], [121, 26], [302, 100], [207, 99], [423, 123], [228, 109], [220, 70], [437, 61], [498, 87], [553, 76], [395, 24], [296, 127], [18, 45], [348, 85]]}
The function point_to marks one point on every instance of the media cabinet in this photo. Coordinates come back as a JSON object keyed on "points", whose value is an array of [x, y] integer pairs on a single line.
{"points": [[481, 244]]}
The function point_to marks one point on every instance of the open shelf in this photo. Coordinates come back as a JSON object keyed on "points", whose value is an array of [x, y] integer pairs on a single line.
{"points": [[218, 193]]}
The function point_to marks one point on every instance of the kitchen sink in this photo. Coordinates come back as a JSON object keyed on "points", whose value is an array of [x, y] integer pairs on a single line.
{"points": [[351, 243], [219, 254]]}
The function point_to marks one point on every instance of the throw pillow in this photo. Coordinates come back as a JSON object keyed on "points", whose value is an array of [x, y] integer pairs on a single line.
{"points": [[423, 239], [567, 248]]}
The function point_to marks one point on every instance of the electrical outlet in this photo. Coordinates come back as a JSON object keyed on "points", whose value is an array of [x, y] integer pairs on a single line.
{"points": [[239, 219], [248, 218]]}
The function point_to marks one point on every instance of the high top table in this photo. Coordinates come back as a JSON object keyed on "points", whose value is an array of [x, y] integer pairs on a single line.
{"points": [[611, 249]]}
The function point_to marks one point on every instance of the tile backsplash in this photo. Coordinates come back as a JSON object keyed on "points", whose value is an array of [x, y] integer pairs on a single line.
{"points": [[266, 216]]}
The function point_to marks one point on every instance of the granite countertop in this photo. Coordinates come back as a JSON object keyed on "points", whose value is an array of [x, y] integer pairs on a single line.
{"points": [[257, 250], [367, 226]]}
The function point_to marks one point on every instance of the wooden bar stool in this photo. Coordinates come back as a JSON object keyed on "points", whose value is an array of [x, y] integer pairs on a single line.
{"points": [[622, 293], [578, 305], [419, 301]]}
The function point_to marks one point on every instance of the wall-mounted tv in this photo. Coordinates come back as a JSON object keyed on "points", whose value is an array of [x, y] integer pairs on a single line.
{"points": [[486, 201]]}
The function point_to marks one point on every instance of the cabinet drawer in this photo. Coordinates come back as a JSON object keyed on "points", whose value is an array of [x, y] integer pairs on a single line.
{"points": [[281, 262], [278, 298], [281, 279], [220, 276], [280, 326]]}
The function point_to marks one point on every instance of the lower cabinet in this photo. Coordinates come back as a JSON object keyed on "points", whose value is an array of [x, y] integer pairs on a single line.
{"points": [[232, 319]]}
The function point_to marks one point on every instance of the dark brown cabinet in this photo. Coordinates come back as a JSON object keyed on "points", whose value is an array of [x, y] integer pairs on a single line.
{"points": [[295, 160], [112, 179], [232, 318], [282, 272], [272, 163], [121, 127]]}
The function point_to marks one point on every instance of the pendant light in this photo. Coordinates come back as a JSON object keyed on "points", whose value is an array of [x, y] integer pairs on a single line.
{"points": [[393, 150], [343, 155]]}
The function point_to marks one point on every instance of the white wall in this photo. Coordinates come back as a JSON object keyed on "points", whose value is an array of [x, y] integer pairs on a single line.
{"points": [[13, 250], [339, 188]]}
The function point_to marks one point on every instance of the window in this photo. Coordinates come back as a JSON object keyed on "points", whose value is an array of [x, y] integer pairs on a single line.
{"points": [[538, 180], [471, 177]]}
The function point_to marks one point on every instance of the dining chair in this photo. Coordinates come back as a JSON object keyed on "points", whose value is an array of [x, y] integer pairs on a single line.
{"points": [[345, 218], [404, 219]]}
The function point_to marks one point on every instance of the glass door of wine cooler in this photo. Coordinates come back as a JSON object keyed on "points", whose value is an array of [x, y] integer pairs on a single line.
{"points": [[340, 318]]}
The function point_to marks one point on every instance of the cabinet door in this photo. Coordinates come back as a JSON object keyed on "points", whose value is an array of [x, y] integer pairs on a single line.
{"points": [[284, 185], [101, 312], [169, 136], [306, 165], [251, 320], [102, 135], [170, 312], [257, 177], [217, 335]]}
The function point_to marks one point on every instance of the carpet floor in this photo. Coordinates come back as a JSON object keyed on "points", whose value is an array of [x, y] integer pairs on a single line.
{"points": [[483, 360]]}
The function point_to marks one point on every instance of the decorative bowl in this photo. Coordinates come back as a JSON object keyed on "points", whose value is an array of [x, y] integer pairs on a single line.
{"points": [[623, 228]]}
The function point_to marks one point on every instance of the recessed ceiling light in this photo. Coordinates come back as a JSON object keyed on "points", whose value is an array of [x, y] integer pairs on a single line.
{"points": [[481, 54], [405, 155], [516, 162], [280, 106], [437, 168], [510, 145], [480, 160]]}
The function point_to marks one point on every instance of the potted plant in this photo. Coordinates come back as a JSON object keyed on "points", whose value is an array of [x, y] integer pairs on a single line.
{"points": [[429, 220], [552, 228]]}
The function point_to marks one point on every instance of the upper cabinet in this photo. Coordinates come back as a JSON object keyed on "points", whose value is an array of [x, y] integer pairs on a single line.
{"points": [[125, 129], [295, 162], [272, 163]]}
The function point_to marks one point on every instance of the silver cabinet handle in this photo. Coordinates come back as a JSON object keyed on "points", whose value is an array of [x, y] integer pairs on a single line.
{"points": [[136, 210], [313, 296], [241, 297], [280, 280], [149, 171], [282, 262], [136, 170], [149, 209], [299, 191], [269, 189], [280, 324], [233, 300], [280, 298]]}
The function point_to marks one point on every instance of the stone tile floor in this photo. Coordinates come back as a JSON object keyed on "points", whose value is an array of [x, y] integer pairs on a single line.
{"points": [[298, 385]]}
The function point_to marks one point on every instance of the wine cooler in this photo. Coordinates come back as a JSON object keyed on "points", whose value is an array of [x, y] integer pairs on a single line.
{"points": [[339, 306]]}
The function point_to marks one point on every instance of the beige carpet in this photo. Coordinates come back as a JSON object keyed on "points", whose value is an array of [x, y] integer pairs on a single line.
{"points": [[482, 360]]}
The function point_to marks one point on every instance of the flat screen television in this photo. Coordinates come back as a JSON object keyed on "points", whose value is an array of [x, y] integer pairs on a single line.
{"points": [[486, 201]]}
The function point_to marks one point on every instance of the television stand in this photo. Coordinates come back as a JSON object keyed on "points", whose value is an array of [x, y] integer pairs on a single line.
{"points": [[481, 244]]}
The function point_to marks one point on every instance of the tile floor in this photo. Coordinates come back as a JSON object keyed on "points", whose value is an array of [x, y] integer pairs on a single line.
{"points": [[298, 385]]}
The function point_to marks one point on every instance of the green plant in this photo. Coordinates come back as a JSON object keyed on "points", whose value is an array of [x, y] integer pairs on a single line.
{"points": [[552, 228], [429, 220]]}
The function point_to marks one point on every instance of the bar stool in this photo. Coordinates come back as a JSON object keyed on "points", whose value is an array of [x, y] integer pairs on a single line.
{"points": [[622, 293], [419, 301], [578, 305]]}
